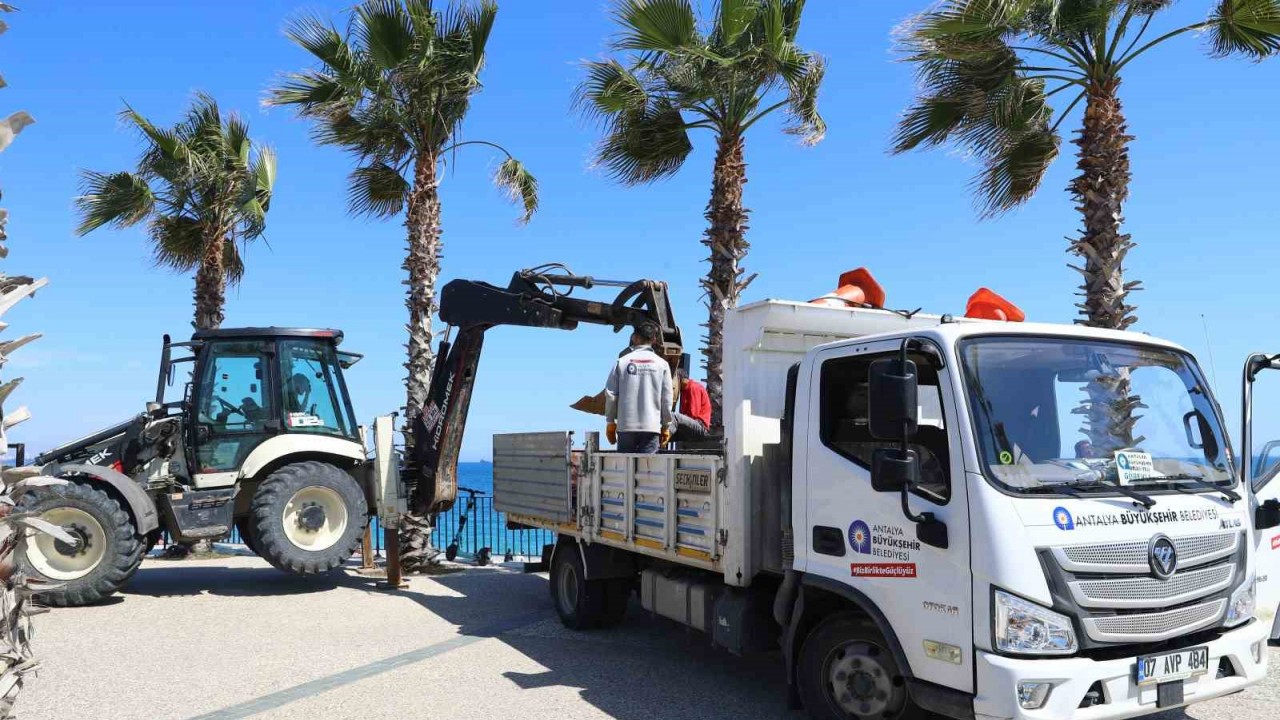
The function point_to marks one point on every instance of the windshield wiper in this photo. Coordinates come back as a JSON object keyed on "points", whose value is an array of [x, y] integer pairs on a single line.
{"points": [[1143, 499], [1199, 481]]}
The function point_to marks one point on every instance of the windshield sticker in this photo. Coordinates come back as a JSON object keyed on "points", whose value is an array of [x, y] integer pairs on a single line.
{"points": [[1062, 518], [1006, 457], [1134, 465], [883, 570], [885, 541], [305, 420]]}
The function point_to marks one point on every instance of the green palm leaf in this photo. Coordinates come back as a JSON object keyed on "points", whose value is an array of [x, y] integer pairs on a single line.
{"points": [[1245, 27], [519, 185], [120, 199], [655, 25], [376, 190]]}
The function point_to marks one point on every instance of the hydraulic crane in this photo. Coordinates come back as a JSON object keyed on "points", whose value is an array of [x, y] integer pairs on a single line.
{"points": [[536, 297]]}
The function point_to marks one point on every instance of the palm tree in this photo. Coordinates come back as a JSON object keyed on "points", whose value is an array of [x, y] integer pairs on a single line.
{"points": [[987, 71], [394, 91], [678, 77], [202, 187]]}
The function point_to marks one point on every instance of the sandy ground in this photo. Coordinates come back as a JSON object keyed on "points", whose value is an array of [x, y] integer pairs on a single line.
{"points": [[234, 638]]}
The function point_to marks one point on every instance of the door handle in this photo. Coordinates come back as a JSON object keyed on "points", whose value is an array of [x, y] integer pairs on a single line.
{"points": [[828, 540]]}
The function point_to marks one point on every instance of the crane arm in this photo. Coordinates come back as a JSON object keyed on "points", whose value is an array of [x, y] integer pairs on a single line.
{"points": [[533, 298]]}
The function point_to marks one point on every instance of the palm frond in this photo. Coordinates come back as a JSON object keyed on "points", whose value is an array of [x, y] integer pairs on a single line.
{"points": [[734, 17], [643, 146], [326, 44], [802, 101], [120, 199], [520, 186], [655, 25], [1250, 28], [930, 121], [178, 242], [377, 190], [609, 89], [312, 91], [385, 31], [232, 262], [473, 24], [1013, 174]]}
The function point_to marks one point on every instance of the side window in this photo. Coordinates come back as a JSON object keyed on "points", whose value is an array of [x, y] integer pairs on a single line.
{"points": [[843, 427], [312, 398]]}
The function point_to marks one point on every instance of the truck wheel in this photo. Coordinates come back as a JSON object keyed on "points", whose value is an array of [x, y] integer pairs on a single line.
{"points": [[307, 518], [108, 554], [579, 602], [846, 671]]}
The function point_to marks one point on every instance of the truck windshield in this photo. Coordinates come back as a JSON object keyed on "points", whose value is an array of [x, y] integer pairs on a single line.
{"points": [[1057, 415]]}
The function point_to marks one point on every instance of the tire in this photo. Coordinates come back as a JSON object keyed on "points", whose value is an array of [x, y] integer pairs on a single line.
{"points": [[244, 525], [108, 556], [580, 603], [847, 672], [307, 518]]}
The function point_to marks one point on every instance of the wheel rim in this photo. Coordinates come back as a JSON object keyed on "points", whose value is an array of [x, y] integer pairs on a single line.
{"points": [[567, 584], [58, 560], [861, 682], [315, 518]]}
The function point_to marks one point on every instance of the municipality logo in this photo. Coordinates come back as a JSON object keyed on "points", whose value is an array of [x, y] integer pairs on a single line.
{"points": [[860, 537], [1062, 518]]}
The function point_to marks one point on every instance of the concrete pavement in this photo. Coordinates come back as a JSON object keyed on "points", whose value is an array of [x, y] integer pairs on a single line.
{"points": [[233, 638]]}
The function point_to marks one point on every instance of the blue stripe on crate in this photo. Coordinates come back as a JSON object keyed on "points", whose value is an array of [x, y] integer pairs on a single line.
{"points": [[649, 523], [688, 512], [650, 506], [612, 516], [691, 530], [612, 501]]}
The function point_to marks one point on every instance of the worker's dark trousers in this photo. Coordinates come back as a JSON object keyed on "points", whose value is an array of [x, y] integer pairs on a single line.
{"points": [[688, 428], [637, 442]]}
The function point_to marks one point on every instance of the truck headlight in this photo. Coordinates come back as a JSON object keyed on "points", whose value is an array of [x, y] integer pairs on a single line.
{"points": [[1244, 601], [1025, 628]]}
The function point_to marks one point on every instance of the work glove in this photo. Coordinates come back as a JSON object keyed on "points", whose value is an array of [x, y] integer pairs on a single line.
{"points": [[664, 437], [611, 432]]}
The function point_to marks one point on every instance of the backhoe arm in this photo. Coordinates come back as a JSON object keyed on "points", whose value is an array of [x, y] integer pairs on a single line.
{"points": [[532, 299]]}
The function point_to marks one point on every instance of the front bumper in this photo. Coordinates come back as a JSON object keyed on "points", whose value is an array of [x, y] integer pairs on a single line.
{"points": [[999, 676]]}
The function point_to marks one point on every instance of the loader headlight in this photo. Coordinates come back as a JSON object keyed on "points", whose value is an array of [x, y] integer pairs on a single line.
{"points": [[1244, 601], [1025, 628]]}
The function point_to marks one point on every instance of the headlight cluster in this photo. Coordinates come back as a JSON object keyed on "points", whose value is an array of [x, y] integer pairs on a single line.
{"points": [[1025, 628], [1244, 601]]}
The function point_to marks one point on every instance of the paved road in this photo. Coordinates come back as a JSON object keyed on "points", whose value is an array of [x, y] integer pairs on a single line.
{"points": [[234, 638]]}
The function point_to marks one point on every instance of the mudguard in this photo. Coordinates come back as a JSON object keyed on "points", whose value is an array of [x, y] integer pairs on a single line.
{"points": [[141, 506]]}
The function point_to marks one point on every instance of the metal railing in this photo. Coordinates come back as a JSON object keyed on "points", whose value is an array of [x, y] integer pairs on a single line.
{"points": [[484, 527]]}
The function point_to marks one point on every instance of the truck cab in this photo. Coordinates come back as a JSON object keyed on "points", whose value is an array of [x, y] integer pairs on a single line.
{"points": [[1068, 536]]}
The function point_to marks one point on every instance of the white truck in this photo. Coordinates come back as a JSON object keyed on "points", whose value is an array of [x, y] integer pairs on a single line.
{"points": [[974, 518]]}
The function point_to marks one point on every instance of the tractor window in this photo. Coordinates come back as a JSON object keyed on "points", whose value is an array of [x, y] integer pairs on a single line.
{"points": [[232, 404], [314, 397]]}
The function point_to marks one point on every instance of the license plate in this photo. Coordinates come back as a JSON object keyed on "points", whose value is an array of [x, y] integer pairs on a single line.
{"points": [[1168, 667]]}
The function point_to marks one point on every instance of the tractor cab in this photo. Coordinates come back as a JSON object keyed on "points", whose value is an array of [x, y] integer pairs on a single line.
{"points": [[250, 385]]}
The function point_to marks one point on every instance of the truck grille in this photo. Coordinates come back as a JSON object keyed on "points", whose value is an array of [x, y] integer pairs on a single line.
{"points": [[1148, 592], [1131, 557], [1111, 589], [1154, 627]]}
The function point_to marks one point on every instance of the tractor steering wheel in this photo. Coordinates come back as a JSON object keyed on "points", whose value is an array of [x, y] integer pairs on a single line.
{"points": [[227, 409]]}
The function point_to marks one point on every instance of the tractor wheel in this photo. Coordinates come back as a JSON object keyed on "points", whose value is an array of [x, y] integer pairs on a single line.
{"points": [[109, 551], [307, 518], [244, 525]]}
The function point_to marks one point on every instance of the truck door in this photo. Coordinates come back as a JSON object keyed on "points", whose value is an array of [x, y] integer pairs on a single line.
{"points": [[861, 538], [1266, 486]]}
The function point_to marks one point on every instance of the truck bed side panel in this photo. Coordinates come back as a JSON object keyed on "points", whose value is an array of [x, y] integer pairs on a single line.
{"points": [[531, 475]]}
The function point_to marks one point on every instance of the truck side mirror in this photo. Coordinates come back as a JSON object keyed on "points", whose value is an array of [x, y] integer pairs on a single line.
{"points": [[892, 409], [1267, 515], [892, 470]]}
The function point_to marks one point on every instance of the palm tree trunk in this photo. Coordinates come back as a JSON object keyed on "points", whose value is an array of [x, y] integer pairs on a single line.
{"points": [[211, 285], [422, 262], [726, 238], [1100, 191]]}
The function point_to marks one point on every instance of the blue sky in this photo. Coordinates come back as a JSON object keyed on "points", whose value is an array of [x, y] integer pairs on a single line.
{"points": [[1203, 208]]}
